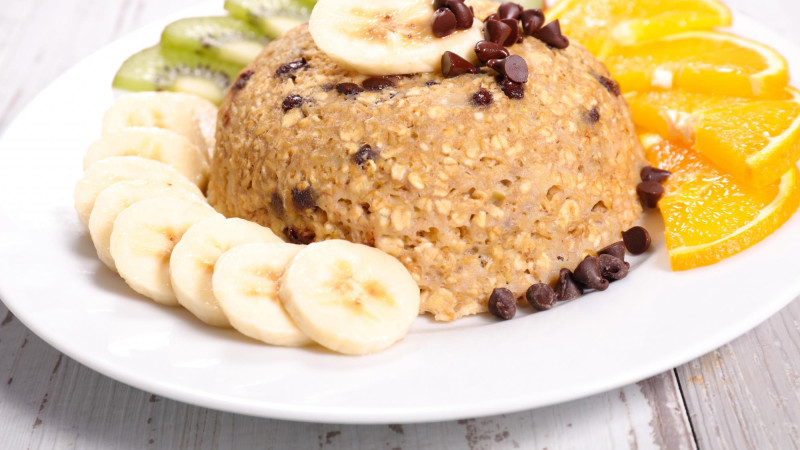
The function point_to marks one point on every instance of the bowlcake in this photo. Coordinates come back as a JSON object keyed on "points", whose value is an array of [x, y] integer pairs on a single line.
{"points": [[467, 196]]}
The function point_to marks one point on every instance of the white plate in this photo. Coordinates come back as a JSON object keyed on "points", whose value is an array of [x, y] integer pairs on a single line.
{"points": [[51, 280]]}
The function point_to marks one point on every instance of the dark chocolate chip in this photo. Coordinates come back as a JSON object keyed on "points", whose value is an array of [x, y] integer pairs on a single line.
{"points": [[653, 174], [514, 91], [291, 102], [588, 274], [464, 15], [509, 10], [291, 67], [491, 17], [431, 83], [502, 303], [610, 85], [487, 50], [512, 38], [612, 268], [637, 240], [514, 68], [593, 115], [303, 198], [617, 249], [482, 98], [349, 89], [454, 65], [566, 287], [649, 193], [302, 237], [243, 78], [364, 154], [439, 4], [496, 31], [551, 35], [444, 22], [377, 83], [532, 20], [541, 296], [276, 205]]}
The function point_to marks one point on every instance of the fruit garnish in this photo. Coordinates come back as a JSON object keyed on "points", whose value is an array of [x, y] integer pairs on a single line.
{"points": [[602, 25], [709, 215], [756, 141], [701, 61], [221, 38], [272, 17]]}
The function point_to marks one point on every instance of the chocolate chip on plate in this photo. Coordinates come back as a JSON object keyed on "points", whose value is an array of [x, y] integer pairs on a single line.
{"points": [[617, 249], [444, 22], [611, 85], [514, 68], [566, 287], [551, 35], [654, 174], [502, 303], [243, 78], [463, 13], [291, 102], [364, 154], [509, 10], [487, 50], [612, 268], [649, 193], [512, 38], [541, 296], [377, 83], [532, 20], [349, 89], [588, 274], [454, 65], [496, 31], [291, 67], [482, 98], [636, 239], [513, 90]]}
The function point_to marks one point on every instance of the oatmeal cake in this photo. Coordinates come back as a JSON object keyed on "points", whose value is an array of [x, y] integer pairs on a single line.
{"points": [[470, 186]]}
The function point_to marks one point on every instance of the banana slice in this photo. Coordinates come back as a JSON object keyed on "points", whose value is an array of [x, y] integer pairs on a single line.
{"points": [[143, 238], [185, 114], [192, 262], [245, 284], [386, 37], [157, 144], [349, 297], [106, 172], [119, 196]]}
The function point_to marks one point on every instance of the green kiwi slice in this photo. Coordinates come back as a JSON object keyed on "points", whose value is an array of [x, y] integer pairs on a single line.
{"points": [[221, 38], [273, 17], [159, 69]]}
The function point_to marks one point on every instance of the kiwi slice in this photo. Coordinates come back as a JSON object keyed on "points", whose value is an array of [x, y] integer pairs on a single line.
{"points": [[273, 17], [159, 69], [221, 38]]}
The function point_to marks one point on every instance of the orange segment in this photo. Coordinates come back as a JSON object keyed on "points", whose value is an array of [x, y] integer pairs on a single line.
{"points": [[701, 61], [756, 141], [602, 25], [708, 215]]}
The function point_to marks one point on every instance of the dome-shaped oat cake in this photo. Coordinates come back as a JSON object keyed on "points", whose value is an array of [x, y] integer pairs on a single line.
{"points": [[467, 197]]}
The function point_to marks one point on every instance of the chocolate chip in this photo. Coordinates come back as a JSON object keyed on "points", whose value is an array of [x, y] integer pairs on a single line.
{"points": [[502, 303], [612, 268], [491, 17], [551, 35], [291, 102], [431, 83], [291, 67], [302, 237], [444, 22], [566, 287], [377, 83], [541, 296], [439, 4], [593, 115], [514, 91], [482, 98], [514, 68], [303, 198], [464, 15], [637, 240], [276, 205], [349, 89], [653, 174], [509, 10], [496, 31], [487, 50], [454, 65], [364, 154], [649, 193], [243, 78], [610, 85], [588, 274], [617, 249], [532, 20], [512, 38]]}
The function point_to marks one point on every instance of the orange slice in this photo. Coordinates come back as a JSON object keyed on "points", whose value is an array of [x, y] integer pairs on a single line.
{"points": [[602, 25], [707, 62], [756, 141], [708, 215]]}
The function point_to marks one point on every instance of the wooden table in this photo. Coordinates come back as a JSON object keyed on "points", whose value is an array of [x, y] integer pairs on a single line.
{"points": [[743, 395]]}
